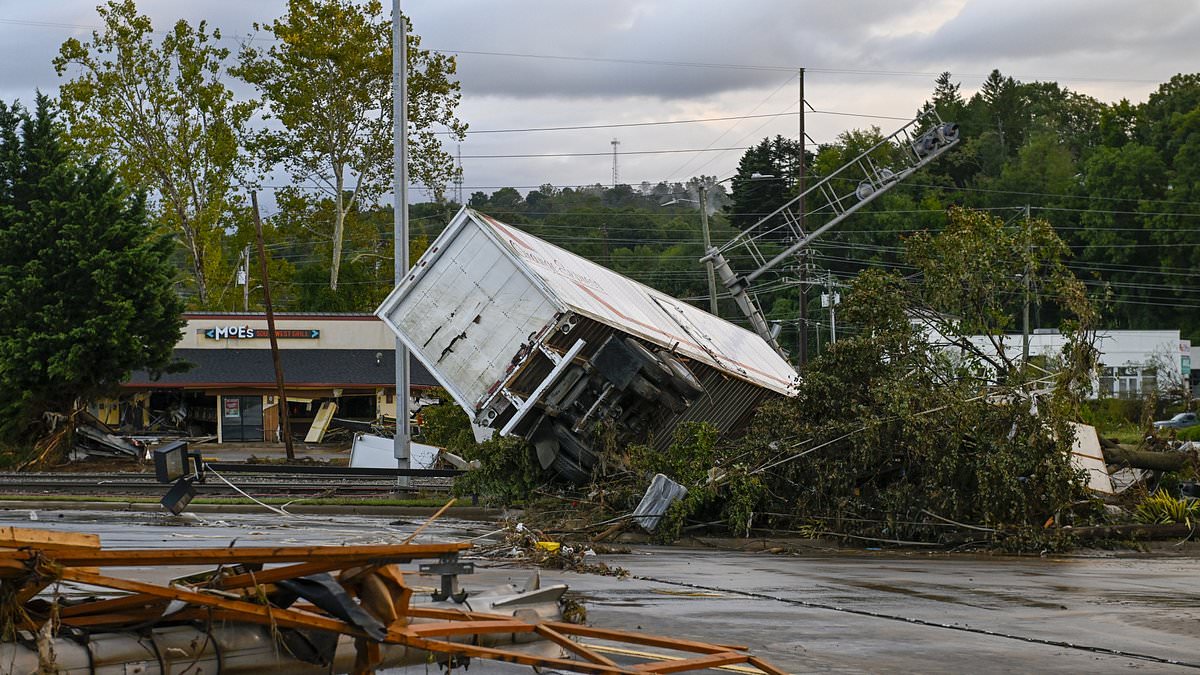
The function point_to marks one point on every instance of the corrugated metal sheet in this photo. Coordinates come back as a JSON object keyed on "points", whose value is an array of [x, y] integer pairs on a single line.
{"points": [[597, 292]]}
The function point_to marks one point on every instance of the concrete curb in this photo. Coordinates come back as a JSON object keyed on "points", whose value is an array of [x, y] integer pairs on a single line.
{"points": [[460, 512]]}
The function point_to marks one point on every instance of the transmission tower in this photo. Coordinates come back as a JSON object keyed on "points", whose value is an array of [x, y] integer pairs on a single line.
{"points": [[616, 175], [458, 182]]}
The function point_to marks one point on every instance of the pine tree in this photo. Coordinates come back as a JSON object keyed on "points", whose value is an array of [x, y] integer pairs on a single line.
{"points": [[86, 286], [774, 160]]}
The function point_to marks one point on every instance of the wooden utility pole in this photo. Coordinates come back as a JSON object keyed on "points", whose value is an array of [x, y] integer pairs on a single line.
{"points": [[246, 279], [285, 427], [702, 193], [802, 317], [1025, 321]]}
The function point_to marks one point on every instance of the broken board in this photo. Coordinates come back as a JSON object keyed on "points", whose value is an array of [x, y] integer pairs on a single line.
{"points": [[1087, 455], [316, 433]]}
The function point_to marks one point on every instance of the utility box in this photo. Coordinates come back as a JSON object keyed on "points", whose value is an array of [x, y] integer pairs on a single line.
{"points": [[534, 341]]}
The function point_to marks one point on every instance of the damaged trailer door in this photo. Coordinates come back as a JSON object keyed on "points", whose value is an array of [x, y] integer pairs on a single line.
{"points": [[534, 341]]}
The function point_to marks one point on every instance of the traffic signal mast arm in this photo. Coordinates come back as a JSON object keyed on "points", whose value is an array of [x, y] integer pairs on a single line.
{"points": [[916, 149]]}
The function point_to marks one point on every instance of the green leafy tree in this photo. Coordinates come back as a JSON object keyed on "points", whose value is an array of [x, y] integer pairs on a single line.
{"points": [[978, 273], [754, 198], [86, 286], [328, 82], [160, 113], [889, 430]]}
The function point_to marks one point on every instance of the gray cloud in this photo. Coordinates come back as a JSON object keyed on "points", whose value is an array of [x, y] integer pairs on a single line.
{"points": [[1105, 48]]}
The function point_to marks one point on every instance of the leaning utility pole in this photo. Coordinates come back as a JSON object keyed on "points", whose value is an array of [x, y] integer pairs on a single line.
{"points": [[285, 425], [402, 442], [712, 275]]}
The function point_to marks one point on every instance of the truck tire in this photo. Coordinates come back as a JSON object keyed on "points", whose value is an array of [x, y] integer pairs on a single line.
{"points": [[546, 445], [575, 460], [570, 470], [664, 396], [575, 448], [652, 367], [683, 380]]}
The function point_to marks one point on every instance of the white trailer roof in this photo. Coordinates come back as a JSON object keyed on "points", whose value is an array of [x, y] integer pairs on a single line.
{"points": [[599, 293]]}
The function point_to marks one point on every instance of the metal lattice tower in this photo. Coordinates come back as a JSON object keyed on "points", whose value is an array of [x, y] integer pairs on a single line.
{"points": [[616, 175], [831, 200], [458, 182]]}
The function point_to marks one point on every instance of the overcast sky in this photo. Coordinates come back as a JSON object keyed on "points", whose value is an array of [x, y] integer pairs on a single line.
{"points": [[870, 57]]}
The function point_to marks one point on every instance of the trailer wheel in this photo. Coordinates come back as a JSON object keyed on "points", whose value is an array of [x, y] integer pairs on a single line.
{"points": [[683, 380], [642, 387], [652, 367], [570, 470], [570, 444], [546, 445], [575, 459]]}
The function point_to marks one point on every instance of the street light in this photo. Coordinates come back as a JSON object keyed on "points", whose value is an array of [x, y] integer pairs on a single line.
{"points": [[702, 193]]}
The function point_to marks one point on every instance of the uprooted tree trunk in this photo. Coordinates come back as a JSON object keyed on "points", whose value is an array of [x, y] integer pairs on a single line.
{"points": [[1135, 531], [1115, 453]]}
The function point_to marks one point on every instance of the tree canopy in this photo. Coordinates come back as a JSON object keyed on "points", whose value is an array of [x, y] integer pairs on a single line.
{"points": [[86, 284], [328, 82], [160, 112]]}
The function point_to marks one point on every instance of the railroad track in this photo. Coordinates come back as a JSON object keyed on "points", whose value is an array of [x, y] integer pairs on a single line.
{"points": [[258, 485]]}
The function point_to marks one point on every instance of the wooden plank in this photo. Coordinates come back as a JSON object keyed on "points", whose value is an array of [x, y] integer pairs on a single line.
{"points": [[698, 663], [316, 433], [274, 574], [567, 643], [764, 666], [114, 619], [238, 609], [18, 537], [110, 605], [429, 522], [452, 628], [245, 554], [679, 644], [494, 654], [421, 612]]}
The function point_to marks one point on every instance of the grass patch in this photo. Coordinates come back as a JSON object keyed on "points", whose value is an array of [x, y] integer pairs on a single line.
{"points": [[1128, 434]]}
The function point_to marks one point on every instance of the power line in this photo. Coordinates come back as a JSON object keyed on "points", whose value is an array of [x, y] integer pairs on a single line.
{"points": [[600, 154], [622, 125], [769, 67], [760, 104]]}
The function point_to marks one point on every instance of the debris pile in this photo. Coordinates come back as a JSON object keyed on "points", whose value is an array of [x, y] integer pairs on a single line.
{"points": [[343, 609], [528, 545]]}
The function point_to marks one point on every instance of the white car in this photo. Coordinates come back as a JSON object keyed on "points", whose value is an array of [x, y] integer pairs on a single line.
{"points": [[1180, 421]]}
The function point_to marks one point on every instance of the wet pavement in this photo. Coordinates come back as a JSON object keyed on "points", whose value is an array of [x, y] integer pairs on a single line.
{"points": [[860, 612]]}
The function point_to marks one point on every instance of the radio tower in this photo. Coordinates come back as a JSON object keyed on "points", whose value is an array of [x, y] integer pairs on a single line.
{"points": [[616, 176], [458, 181]]}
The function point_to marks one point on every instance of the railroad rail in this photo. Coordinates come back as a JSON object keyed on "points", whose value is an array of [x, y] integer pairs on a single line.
{"points": [[258, 484]]}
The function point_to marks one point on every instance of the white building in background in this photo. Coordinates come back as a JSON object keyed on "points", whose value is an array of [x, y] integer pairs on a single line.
{"points": [[1131, 362]]}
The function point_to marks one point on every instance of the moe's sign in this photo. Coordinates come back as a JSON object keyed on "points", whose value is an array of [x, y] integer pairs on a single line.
{"points": [[248, 333]]}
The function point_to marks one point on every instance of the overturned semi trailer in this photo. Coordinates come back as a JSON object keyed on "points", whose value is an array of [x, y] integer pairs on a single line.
{"points": [[534, 341]]}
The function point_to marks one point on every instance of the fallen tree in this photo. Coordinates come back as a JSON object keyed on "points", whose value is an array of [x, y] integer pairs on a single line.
{"points": [[1145, 459], [1136, 458]]}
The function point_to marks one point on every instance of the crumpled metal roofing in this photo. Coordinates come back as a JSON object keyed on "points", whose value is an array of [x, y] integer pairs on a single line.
{"points": [[602, 294]]}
